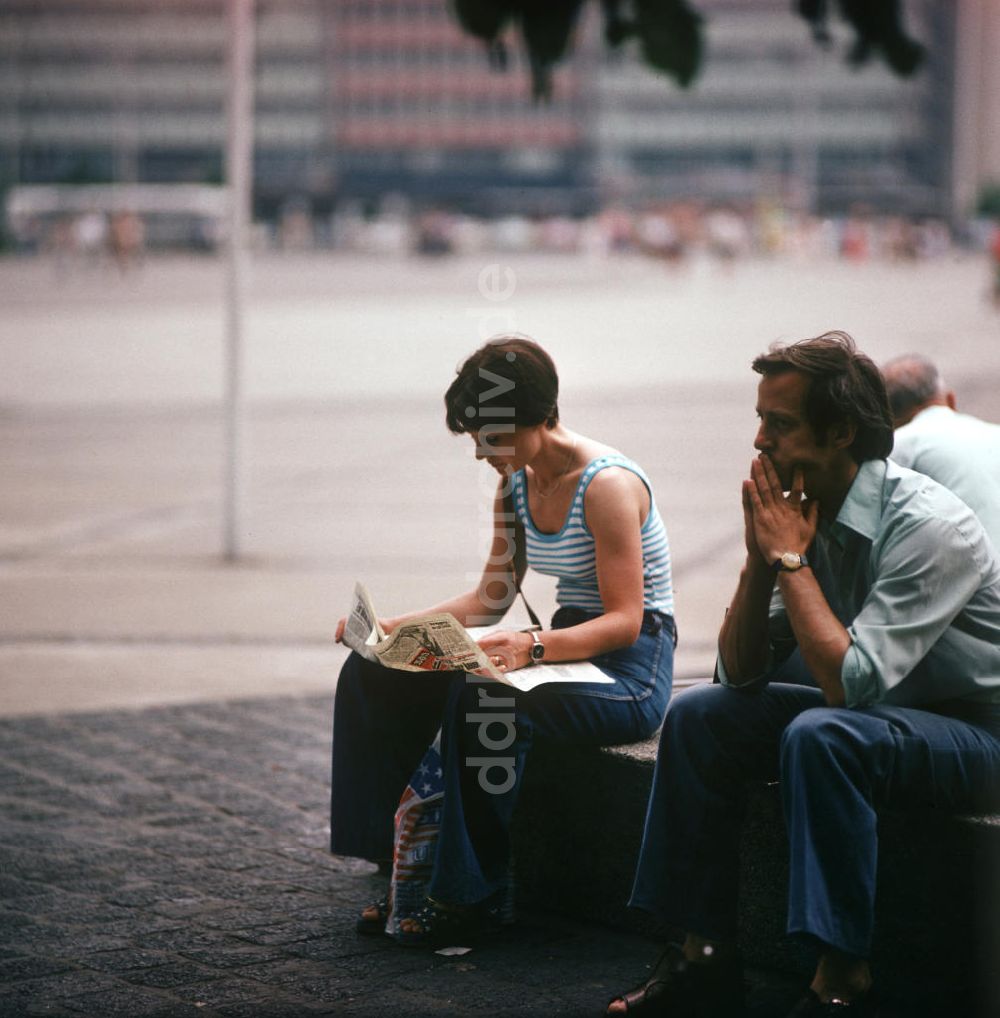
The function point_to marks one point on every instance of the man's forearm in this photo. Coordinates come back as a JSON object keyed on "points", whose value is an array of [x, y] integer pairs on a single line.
{"points": [[822, 640], [743, 640]]}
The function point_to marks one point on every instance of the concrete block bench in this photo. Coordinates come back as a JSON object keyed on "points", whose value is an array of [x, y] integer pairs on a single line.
{"points": [[937, 949]]}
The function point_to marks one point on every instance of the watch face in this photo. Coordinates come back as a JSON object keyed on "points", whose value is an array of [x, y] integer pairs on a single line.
{"points": [[537, 652], [790, 560]]}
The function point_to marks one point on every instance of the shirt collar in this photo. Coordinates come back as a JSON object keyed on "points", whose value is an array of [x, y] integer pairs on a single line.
{"points": [[862, 509], [930, 412]]}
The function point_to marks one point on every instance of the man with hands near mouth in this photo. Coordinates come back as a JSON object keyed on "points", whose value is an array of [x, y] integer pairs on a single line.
{"points": [[859, 664]]}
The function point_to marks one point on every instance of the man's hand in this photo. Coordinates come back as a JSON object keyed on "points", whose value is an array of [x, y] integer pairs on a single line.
{"points": [[753, 552], [779, 524]]}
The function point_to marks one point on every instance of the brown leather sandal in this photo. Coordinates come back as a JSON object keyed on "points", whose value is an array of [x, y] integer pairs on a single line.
{"points": [[678, 986]]}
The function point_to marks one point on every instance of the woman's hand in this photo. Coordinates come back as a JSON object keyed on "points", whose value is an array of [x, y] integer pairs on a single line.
{"points": [[388, 625], [508, 650]]}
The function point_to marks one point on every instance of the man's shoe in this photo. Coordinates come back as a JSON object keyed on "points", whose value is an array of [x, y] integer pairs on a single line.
{"points": [[810, 1006], [679, 988]]}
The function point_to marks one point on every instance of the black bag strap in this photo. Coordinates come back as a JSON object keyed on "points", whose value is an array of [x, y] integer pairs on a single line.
{"points": [[520, 554], [535, 624]]}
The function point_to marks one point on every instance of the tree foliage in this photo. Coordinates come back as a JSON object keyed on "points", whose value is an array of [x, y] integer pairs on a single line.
{"points": [[670, 34]]}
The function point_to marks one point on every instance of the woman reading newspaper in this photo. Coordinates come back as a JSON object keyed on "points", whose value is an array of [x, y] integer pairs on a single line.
{"points": [[569, 507]]}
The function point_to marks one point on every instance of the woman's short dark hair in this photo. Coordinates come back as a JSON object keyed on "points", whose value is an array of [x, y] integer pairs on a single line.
{"points": [[508, 380], [844, 385]]}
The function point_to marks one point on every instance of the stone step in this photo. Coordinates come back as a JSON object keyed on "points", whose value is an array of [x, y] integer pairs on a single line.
{"points": [[937, 941]]}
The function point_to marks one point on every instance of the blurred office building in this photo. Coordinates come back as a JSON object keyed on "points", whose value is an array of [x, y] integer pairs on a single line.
{"points": [[357, 99], [419, 109], [130, 91], [773, 114]]}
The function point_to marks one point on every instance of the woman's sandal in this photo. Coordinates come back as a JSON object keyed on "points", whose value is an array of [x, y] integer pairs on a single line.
{"points": [[371, 925], [438, 925]]}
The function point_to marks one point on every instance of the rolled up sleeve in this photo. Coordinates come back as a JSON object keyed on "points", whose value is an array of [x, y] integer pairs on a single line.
{"points": [[780, 643], [924, 575], [723, 676]]}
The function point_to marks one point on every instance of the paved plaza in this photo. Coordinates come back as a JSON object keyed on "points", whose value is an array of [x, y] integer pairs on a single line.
{"points": [[111, 445], [165, 716], [171, 862]]}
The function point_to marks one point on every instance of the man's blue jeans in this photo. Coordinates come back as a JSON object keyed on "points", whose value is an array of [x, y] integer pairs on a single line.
{"points": [[835, 767], [385, 719]]}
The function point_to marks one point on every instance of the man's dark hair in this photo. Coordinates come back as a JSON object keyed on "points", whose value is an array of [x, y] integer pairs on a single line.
{"points": [[844, 385], [509, 380], [911, 382]]}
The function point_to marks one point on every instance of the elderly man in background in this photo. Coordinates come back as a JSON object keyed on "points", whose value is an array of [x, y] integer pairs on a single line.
{"points": [[957, 450]]}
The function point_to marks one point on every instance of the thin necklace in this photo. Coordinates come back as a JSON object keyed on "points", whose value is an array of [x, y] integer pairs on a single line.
{"points": [[559, 479]]}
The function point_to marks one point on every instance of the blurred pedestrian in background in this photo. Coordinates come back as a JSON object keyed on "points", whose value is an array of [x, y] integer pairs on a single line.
{"points": [[995, 263]]}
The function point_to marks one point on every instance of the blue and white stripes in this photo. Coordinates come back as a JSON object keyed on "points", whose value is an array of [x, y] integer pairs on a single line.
{"points": [[569, 554]]}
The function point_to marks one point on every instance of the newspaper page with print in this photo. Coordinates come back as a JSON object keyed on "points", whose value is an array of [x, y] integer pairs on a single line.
{"points": [[439, 642]]}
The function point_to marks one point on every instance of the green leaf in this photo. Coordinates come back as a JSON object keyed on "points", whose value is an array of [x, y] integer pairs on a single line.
{"points": [[485, 19], [670, 36]]}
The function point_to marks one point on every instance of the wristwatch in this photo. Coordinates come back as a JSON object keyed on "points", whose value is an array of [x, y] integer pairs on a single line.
{"points": [[789, 562], [537, 647]]}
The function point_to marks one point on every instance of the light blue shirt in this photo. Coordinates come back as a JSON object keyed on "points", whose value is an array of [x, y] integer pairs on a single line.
{"points": [[910, 573], [959, 451]]}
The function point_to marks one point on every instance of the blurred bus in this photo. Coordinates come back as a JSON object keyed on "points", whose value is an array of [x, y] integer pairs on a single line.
{"points": [[180, 216]]}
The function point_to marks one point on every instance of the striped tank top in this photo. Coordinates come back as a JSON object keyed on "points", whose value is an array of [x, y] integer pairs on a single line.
{"points": [[569, 554]]}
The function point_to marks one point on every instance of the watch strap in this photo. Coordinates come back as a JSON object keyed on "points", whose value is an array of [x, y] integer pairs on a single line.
{"points": [[537, 647], [778, 565]]}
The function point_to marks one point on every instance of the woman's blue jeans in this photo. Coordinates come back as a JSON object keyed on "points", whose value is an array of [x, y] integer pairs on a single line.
{"points": [[384, 720], [835, 767]]}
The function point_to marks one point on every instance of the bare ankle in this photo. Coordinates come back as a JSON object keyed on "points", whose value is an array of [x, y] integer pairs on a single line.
{"points": [[841, 976]]}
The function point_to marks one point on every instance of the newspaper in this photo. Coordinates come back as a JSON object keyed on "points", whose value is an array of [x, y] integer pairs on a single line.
{"points": [[439, 642]]}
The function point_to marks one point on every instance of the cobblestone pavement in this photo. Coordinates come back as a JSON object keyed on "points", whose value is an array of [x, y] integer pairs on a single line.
{"points": [[173, 862]]}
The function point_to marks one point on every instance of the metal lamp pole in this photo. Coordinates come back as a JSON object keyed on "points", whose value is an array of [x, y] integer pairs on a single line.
{"points": [[239, 176]]}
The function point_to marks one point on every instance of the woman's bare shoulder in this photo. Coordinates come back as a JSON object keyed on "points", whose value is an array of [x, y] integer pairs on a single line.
{"points": [[591, 449]]}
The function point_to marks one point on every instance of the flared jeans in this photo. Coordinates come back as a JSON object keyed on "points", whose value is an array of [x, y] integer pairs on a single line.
{"points": [[834, 765], [385, 719]]}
